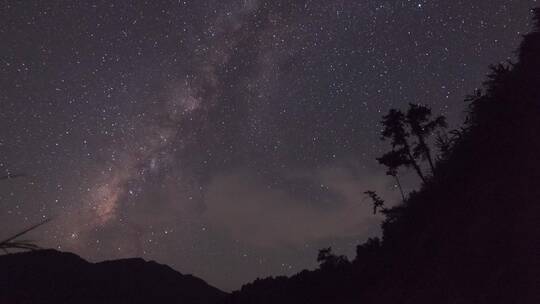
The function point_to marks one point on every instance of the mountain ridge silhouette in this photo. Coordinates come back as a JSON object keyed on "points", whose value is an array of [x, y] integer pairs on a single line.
{"points": [[50, 276]]}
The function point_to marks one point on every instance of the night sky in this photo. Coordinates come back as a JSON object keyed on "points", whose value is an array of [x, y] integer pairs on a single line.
{"points": [[230, 139]]}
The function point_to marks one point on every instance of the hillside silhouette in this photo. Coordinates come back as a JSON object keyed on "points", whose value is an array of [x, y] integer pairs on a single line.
{"points": [[471, 233], [50, 276]]}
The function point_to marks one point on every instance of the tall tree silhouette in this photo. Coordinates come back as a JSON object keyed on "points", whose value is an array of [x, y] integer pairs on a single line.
{"points": [[422, 126], [399, 128], [401, 155]]}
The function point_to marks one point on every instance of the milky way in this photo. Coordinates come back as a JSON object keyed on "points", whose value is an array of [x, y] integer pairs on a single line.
{"points": [[228, 139]]}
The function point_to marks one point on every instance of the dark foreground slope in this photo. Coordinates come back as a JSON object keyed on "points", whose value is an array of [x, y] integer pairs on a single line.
{"points": [[49, 276], [471, 233]]}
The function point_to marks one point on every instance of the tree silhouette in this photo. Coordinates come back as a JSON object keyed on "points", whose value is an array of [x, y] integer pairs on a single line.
{"points": [[421, 126], [401, 154], [399, 127], [378, 202]]}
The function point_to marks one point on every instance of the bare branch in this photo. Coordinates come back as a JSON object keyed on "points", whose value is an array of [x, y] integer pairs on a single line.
{"points": [[10, 239]]}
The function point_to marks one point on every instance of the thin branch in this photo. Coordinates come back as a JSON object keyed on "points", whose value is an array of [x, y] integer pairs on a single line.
{"points": [[10, 239]]}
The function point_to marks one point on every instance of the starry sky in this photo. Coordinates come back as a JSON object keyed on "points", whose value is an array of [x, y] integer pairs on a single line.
{"points": [[230, 139]]}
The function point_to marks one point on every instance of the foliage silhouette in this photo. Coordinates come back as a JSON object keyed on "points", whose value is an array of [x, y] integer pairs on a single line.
{"points": [[399, 128], [401, 154], [328, 260], [418, 118], [378, 202]]}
